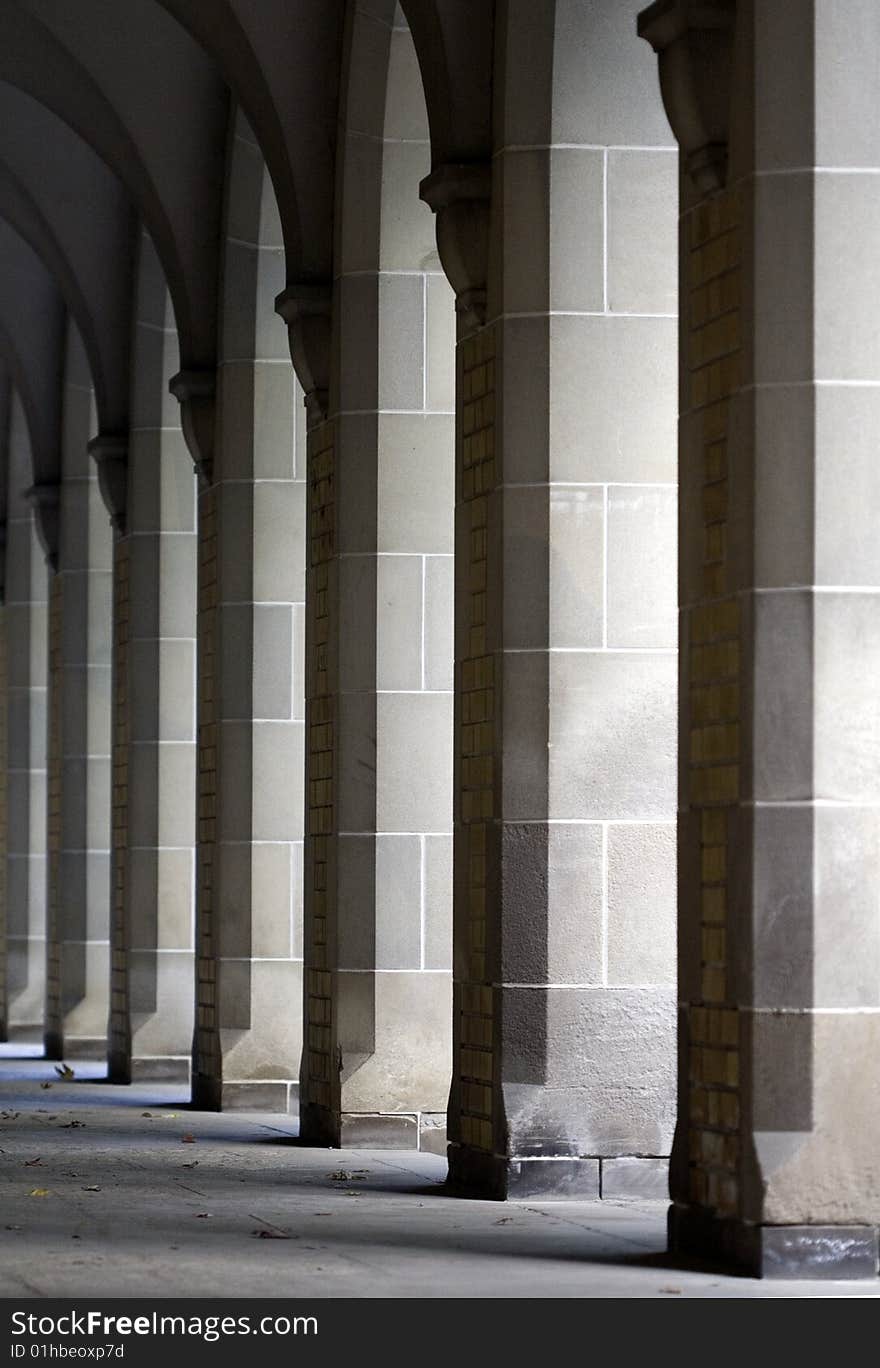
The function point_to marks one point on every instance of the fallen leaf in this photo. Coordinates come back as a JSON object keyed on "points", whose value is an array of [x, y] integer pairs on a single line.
{"points": [[269, 1235], [72, 1125], [31, 1163], [65, 1072], [505, 1220], [47, 1084], [39, 1192], [93, 1187], [150, 1114], [203, 1215], [194, 1164], [188, 1139]]}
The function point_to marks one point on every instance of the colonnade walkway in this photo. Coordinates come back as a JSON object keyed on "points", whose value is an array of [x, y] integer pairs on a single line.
{"points": [[129, 1191]]}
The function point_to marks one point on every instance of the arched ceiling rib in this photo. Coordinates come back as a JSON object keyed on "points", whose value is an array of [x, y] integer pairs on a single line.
{"points": [[133, 84], [75, 214], [454, 44], [32, 344], [281, 59]]}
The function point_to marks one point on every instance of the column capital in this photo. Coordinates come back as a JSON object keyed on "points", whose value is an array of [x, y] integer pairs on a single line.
{"points": [[459, 194], [195, 390], [693, 40], [307, 309], [110, 453], [45, 500]]}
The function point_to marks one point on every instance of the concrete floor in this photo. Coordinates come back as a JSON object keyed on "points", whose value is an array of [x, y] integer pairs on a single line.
{"points": [[104, 1195]]}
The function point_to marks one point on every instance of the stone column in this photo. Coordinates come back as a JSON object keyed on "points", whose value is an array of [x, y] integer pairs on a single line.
{"points": [[775, 1166], [151, 1018], [78, 950], [560, 254], [379, 639], [25, 641], [251, 605]]}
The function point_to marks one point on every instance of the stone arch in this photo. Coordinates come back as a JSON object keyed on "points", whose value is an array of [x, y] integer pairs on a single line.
{"points": [[32, 323], [76, 215], [152, 105]]}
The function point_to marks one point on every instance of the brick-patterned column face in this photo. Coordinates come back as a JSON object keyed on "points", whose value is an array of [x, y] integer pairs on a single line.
{"points": [[206, 1053], [119, 1032], [53, 1019], [711, 759], [475, 1119], [319, 1085]]}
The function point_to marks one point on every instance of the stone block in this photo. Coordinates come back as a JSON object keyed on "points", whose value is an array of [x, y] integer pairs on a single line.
{"points": [[399, 623], [407, 240], [622, 425], [641, 903], [401, 336], [641, 564], [612, 736], [398, 902], [642, 231], [553, 1179], [417, 483], [636, 1179], [367, 1131], [577, 569], [414, 736]]}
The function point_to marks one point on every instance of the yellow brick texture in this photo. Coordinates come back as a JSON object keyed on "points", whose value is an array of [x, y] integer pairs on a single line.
{"points": [[209, 1062], [319, 1079], [713, 342], [476, 737], [53, 811], [119, 1024]]}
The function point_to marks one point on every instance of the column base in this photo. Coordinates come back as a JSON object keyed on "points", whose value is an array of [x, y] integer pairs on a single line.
{"points": [[60, 1047], [424, 1131], [788, 1251], [161, 1069], [25, 1035], [500, 1177], [246, 1095]]}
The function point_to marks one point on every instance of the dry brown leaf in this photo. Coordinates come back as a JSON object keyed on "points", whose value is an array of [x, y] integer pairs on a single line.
{"points": [[188, 1139], [65, 1071], [39, 1192]]}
